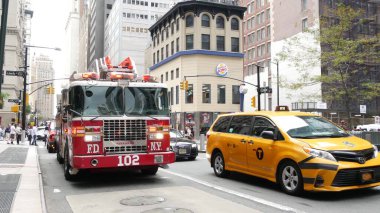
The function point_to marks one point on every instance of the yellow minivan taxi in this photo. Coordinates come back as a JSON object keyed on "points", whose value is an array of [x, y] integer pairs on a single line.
{"points": [[299, 151]]}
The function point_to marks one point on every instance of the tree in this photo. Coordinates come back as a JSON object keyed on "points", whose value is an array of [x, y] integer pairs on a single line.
{"points": [[345, 57], [2, 97]]}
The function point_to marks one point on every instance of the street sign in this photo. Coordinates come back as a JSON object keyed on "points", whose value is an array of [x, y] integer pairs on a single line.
{"points": [[14, 100], [363, 109], [14, 73], [265, 90]]}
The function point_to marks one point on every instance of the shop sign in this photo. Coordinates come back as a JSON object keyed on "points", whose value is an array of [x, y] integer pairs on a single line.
{"points": [[221, 70]]}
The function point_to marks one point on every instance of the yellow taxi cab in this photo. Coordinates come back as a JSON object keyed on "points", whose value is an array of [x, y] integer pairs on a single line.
{"points": [[299, 151]]}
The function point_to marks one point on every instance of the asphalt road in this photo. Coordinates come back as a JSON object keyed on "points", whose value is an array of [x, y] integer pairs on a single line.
{"points": [[189, 185]]}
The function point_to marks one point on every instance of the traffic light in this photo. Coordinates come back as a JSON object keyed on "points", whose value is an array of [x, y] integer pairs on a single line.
{"points": [[186, 85], [182, 85], [50, 90], [47, 90], [27, 99], [253, 101], [15, 108]]}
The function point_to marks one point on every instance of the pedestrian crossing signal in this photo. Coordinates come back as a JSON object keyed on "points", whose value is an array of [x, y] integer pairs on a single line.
{"points": [[253, 101]]}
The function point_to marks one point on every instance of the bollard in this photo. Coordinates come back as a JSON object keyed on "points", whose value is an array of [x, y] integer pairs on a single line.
{"points": [[202, 142]]}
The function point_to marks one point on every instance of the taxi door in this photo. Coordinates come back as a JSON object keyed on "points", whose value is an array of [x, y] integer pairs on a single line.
{"points": [[239, 129], [261, 151]]}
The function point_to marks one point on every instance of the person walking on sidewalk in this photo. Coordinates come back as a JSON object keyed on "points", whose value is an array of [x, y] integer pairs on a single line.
{"points": [[7, 133], [13, 133], [18, 133], [1, 133], [30, 129], [34, 135]]}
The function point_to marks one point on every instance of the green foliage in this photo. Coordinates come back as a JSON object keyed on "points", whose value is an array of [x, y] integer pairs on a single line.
{"points": [[28, 109], [344, 57], [3, 96]]}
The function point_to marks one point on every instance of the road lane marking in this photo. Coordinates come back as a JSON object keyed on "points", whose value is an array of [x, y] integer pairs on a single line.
{"points": [[236, 193], [56, 191]]}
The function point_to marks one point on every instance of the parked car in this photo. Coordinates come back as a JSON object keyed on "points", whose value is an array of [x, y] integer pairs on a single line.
{"points": [[183, 147], [41, 133], [51, 144]]}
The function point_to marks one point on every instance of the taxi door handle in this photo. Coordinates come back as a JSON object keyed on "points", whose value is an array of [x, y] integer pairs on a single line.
{"points": [[243, 141], [250, 142]]}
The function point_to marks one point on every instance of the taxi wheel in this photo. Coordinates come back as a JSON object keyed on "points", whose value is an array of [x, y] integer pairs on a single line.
{"points": [[218, 165], [290, 178]]}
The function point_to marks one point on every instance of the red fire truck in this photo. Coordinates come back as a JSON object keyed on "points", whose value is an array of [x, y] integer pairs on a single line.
{"points": [[113, 119]]}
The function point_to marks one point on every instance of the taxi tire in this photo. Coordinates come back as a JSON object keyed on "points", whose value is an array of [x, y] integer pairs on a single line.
{"points": [[299, 188], [218, 160]]}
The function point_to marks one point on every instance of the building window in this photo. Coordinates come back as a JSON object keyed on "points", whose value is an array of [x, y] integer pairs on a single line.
{"points": [[158, 39], [189, 42], [158, 56], [189, 94], [234, 24], [162, 35], [206, 93], [171, 95], [172, 48], [304, 24], [154, 58], [177, 95], [303, 5], [234, 44], [162, 78], [109, 6], [162, 53], [220, 43], [205, 20], [172, 28], [167, 32], [177, 24], [167, 50], [177, 45], [220, 22], [268, 48], [172, 75], [205, 41], [189, 21], [221, 94], [177, 73], [166, 76], [235, 94]]}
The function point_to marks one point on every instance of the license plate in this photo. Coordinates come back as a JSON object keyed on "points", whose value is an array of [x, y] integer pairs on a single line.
{"points": [[366, 176], [182, 151], [158, 159]]}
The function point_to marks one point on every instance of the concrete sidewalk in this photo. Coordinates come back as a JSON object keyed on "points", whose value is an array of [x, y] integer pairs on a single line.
{"points": [[20, 179]]}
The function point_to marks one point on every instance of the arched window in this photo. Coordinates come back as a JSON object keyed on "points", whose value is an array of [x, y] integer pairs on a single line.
{"points": [[234, 24], [189, 21], [205, 20], [220, 22]]}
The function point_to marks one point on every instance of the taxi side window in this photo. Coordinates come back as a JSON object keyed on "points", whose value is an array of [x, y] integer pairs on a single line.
{"points": [[241, 125], [222, 124], [260, 125]]}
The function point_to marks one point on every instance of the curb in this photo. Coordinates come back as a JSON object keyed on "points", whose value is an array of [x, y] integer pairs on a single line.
{"points": [[42, 194]]}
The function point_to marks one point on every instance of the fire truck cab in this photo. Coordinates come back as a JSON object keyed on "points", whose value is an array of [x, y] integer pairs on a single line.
{"points": [[113, 119]]}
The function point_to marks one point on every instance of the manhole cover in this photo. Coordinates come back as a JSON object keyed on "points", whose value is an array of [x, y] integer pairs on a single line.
{"points": [[142, 200], [168, 210]]}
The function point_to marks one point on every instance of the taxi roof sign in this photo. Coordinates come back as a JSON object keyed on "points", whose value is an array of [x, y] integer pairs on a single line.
{"points": [[282, 109]]}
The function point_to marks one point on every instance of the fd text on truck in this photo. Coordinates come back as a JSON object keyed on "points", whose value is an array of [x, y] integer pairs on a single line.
{"points": [[112, 119]]}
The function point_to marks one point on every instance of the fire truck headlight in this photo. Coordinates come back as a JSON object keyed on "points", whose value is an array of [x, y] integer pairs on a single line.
{"points": [[91, 138], [156, 136]]}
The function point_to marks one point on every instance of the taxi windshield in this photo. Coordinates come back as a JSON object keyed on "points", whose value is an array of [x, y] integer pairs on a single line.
{"points": [[308, 127]]}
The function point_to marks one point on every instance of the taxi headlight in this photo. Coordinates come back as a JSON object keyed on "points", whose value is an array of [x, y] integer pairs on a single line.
{"points": [[319, 153], [375, 152]]}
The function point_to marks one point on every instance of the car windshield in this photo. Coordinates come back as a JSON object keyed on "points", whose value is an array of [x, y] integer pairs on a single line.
{"points": [[113, 101], [308, 127], [175, 134]]}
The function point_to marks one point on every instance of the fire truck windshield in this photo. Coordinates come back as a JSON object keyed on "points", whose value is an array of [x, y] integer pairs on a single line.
{"points": [[114, 101]]}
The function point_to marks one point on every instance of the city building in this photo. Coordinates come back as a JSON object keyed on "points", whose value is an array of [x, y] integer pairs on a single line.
{"points": [[84, 25], [200, 41], [126, 29], [17, 33], [71, 49], [99, 13], [42, 103]]}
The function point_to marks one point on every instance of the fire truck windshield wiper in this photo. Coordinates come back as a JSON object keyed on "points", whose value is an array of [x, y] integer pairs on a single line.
{"points": [[80, 114]]}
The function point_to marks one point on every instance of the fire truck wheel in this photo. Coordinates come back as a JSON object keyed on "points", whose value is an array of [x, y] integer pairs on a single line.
{"points": [[66, 166], [59, 157], [150, 170]]}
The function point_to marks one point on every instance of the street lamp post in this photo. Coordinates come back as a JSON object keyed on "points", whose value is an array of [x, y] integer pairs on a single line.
{"points": [[24, 92]]}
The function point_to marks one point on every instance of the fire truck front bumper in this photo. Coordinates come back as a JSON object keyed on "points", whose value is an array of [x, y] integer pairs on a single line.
{"points": [[123, 160]]}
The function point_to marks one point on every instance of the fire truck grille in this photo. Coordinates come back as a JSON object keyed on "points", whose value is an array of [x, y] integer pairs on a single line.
{"points": [[125, 149], [124, 130]]}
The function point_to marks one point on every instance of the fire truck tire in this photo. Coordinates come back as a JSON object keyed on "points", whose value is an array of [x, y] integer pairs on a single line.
{"points": [[67, 167], [150, 170], [59, 157]]}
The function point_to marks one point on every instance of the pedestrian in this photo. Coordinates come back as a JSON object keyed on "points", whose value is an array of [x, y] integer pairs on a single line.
{"points": [[13, 133], [1, 133], [18, 133], [46, 132], [34, 135], [30, 129], [7, 133]]}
